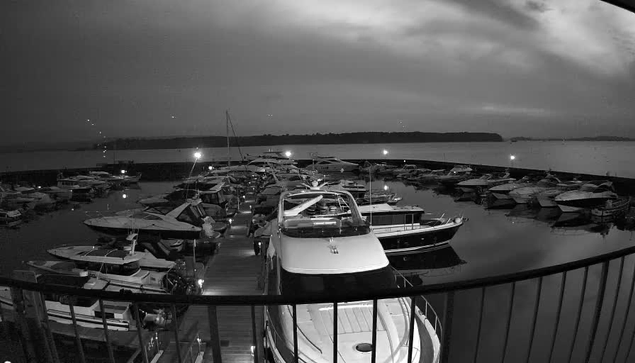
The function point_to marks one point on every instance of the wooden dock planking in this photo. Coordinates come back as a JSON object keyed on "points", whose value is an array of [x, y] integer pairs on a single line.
{"points": [[234, 270]]}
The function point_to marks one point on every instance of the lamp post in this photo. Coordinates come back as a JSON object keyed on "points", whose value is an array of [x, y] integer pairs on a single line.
{"points": [[511, 160], [287, 154], [197, 155]]}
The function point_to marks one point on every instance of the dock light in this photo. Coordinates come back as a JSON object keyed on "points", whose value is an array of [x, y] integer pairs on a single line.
{"points": [[287, 153], [200, 282], [197, 155], [210, 168], [124, 196], [385, 187], [123, 171], [512, 157], [385, 152]]}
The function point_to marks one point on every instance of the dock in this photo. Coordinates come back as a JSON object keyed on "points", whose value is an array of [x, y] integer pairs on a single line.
{"points": [[234, 270]]}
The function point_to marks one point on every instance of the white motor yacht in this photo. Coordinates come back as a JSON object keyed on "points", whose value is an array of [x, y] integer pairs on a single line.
{"points": [[324, 247], [186, 221], [587, 197], [330, 164]]}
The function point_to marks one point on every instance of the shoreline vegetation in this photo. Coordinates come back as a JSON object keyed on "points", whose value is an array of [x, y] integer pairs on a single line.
{"points": [[313, 139]]}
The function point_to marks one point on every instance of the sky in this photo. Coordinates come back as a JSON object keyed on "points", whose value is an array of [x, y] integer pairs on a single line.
{"points": [[561, 68]]}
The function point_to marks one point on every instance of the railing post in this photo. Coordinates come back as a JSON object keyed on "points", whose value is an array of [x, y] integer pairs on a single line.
{"points": [[142, 346], [214, 334], [563, 283], [617, 295], [509, 320], [448, 315], [78, 339], [535, 318], [373, 354], [598, 310], [480, 324], [579, 315], [254, 333], [626, 316], [175, 322], [295, 332], [411, 326], [335, 332], [50, 341], [111, 355], [26, 339]]}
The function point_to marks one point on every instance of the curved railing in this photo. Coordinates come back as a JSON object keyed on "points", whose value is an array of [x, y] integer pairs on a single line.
{"points": [[577, 311]]}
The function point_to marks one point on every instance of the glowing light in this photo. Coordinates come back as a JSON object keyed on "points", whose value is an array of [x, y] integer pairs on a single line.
{"points": [[197, 155], [385, 152], [123, 171], [125, 196], [287, 153], [512, 157], [385, 187], [200, 282]]}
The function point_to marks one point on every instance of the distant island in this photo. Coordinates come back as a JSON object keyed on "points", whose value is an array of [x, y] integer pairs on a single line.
{"points": [[185, 142], [592, 138]]}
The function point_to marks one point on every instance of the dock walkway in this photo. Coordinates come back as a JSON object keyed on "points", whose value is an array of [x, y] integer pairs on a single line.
{"points": [[234, 270]]}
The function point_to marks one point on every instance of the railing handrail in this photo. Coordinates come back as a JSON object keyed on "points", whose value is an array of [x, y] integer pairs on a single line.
{"points": [[246, 300]]}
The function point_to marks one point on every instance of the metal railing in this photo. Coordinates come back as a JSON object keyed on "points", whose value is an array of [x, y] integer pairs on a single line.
{"points": [[579, 311]]}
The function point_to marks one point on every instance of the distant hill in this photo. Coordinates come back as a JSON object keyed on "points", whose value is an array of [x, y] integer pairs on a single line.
{"points": [[271, 140], [590, 138]]}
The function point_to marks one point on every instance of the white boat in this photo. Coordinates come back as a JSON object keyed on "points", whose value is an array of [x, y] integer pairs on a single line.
{"points": [[527, 194], [334, 252], [587, 197], [118, 316], [42, 200], [330, 164], [405, 229], [405, 169], [10, 218], [146, 260], [213, 201], [455, 175], [58, 194], [612, 208], [118, 267], [186, 221]]}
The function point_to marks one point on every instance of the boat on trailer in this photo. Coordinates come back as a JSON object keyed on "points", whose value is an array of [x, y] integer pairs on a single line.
{"points": [[325, 247], [407, 229]]}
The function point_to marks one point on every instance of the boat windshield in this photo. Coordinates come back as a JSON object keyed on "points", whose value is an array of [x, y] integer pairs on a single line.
{"points": [[321, 214], [302, 284]]}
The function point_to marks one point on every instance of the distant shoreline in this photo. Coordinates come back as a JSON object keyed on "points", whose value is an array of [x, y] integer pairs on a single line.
{"points": [[313, 139]]}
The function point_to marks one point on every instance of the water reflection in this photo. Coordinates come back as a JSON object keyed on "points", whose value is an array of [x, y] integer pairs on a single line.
{"points": [[439, 262]]}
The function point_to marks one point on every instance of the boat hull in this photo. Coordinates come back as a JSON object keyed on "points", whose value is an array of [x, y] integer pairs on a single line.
{"points": [[415, 240]]}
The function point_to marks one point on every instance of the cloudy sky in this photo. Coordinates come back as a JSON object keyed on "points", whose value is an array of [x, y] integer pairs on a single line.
{"points": [[165, 67]]}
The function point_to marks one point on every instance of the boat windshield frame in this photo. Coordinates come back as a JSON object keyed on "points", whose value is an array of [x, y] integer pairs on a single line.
{"points": [[319, 214]]}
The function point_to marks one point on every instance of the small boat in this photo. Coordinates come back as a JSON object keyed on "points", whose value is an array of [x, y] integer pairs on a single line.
{"points": [[586, 197], [501, 191], [330, 164], [58, 194], [406, 169], [324, 247], [527, 194], [43, 201], [379, 196], [116, 315], [187, 221], [10, 218], [455, 175], [405, 229], [612, 208], [146, 260], [428, 177]]}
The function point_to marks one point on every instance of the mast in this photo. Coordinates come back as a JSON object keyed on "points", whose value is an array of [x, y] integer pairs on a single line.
{"points": [[227, 133]]}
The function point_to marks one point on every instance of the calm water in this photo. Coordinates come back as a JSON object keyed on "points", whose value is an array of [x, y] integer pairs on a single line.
{"points": [[580, 157], [490, 243]]}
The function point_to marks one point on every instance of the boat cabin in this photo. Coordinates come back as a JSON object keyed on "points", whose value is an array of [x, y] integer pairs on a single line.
{"points": [[114, 262], [387, 215]]}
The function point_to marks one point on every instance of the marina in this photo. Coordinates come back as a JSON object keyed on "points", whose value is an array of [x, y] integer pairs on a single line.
{"points": [[233, 262]]}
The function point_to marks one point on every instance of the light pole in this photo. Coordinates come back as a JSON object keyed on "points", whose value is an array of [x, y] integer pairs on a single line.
{"points": [[197, 155], [287, 154], [511, 160]]}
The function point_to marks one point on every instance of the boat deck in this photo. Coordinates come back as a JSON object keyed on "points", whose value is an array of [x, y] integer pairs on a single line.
{"points": [[234, 270]]}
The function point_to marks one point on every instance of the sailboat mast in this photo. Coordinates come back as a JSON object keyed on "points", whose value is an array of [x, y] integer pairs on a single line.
{"points": [[227, 133]]}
